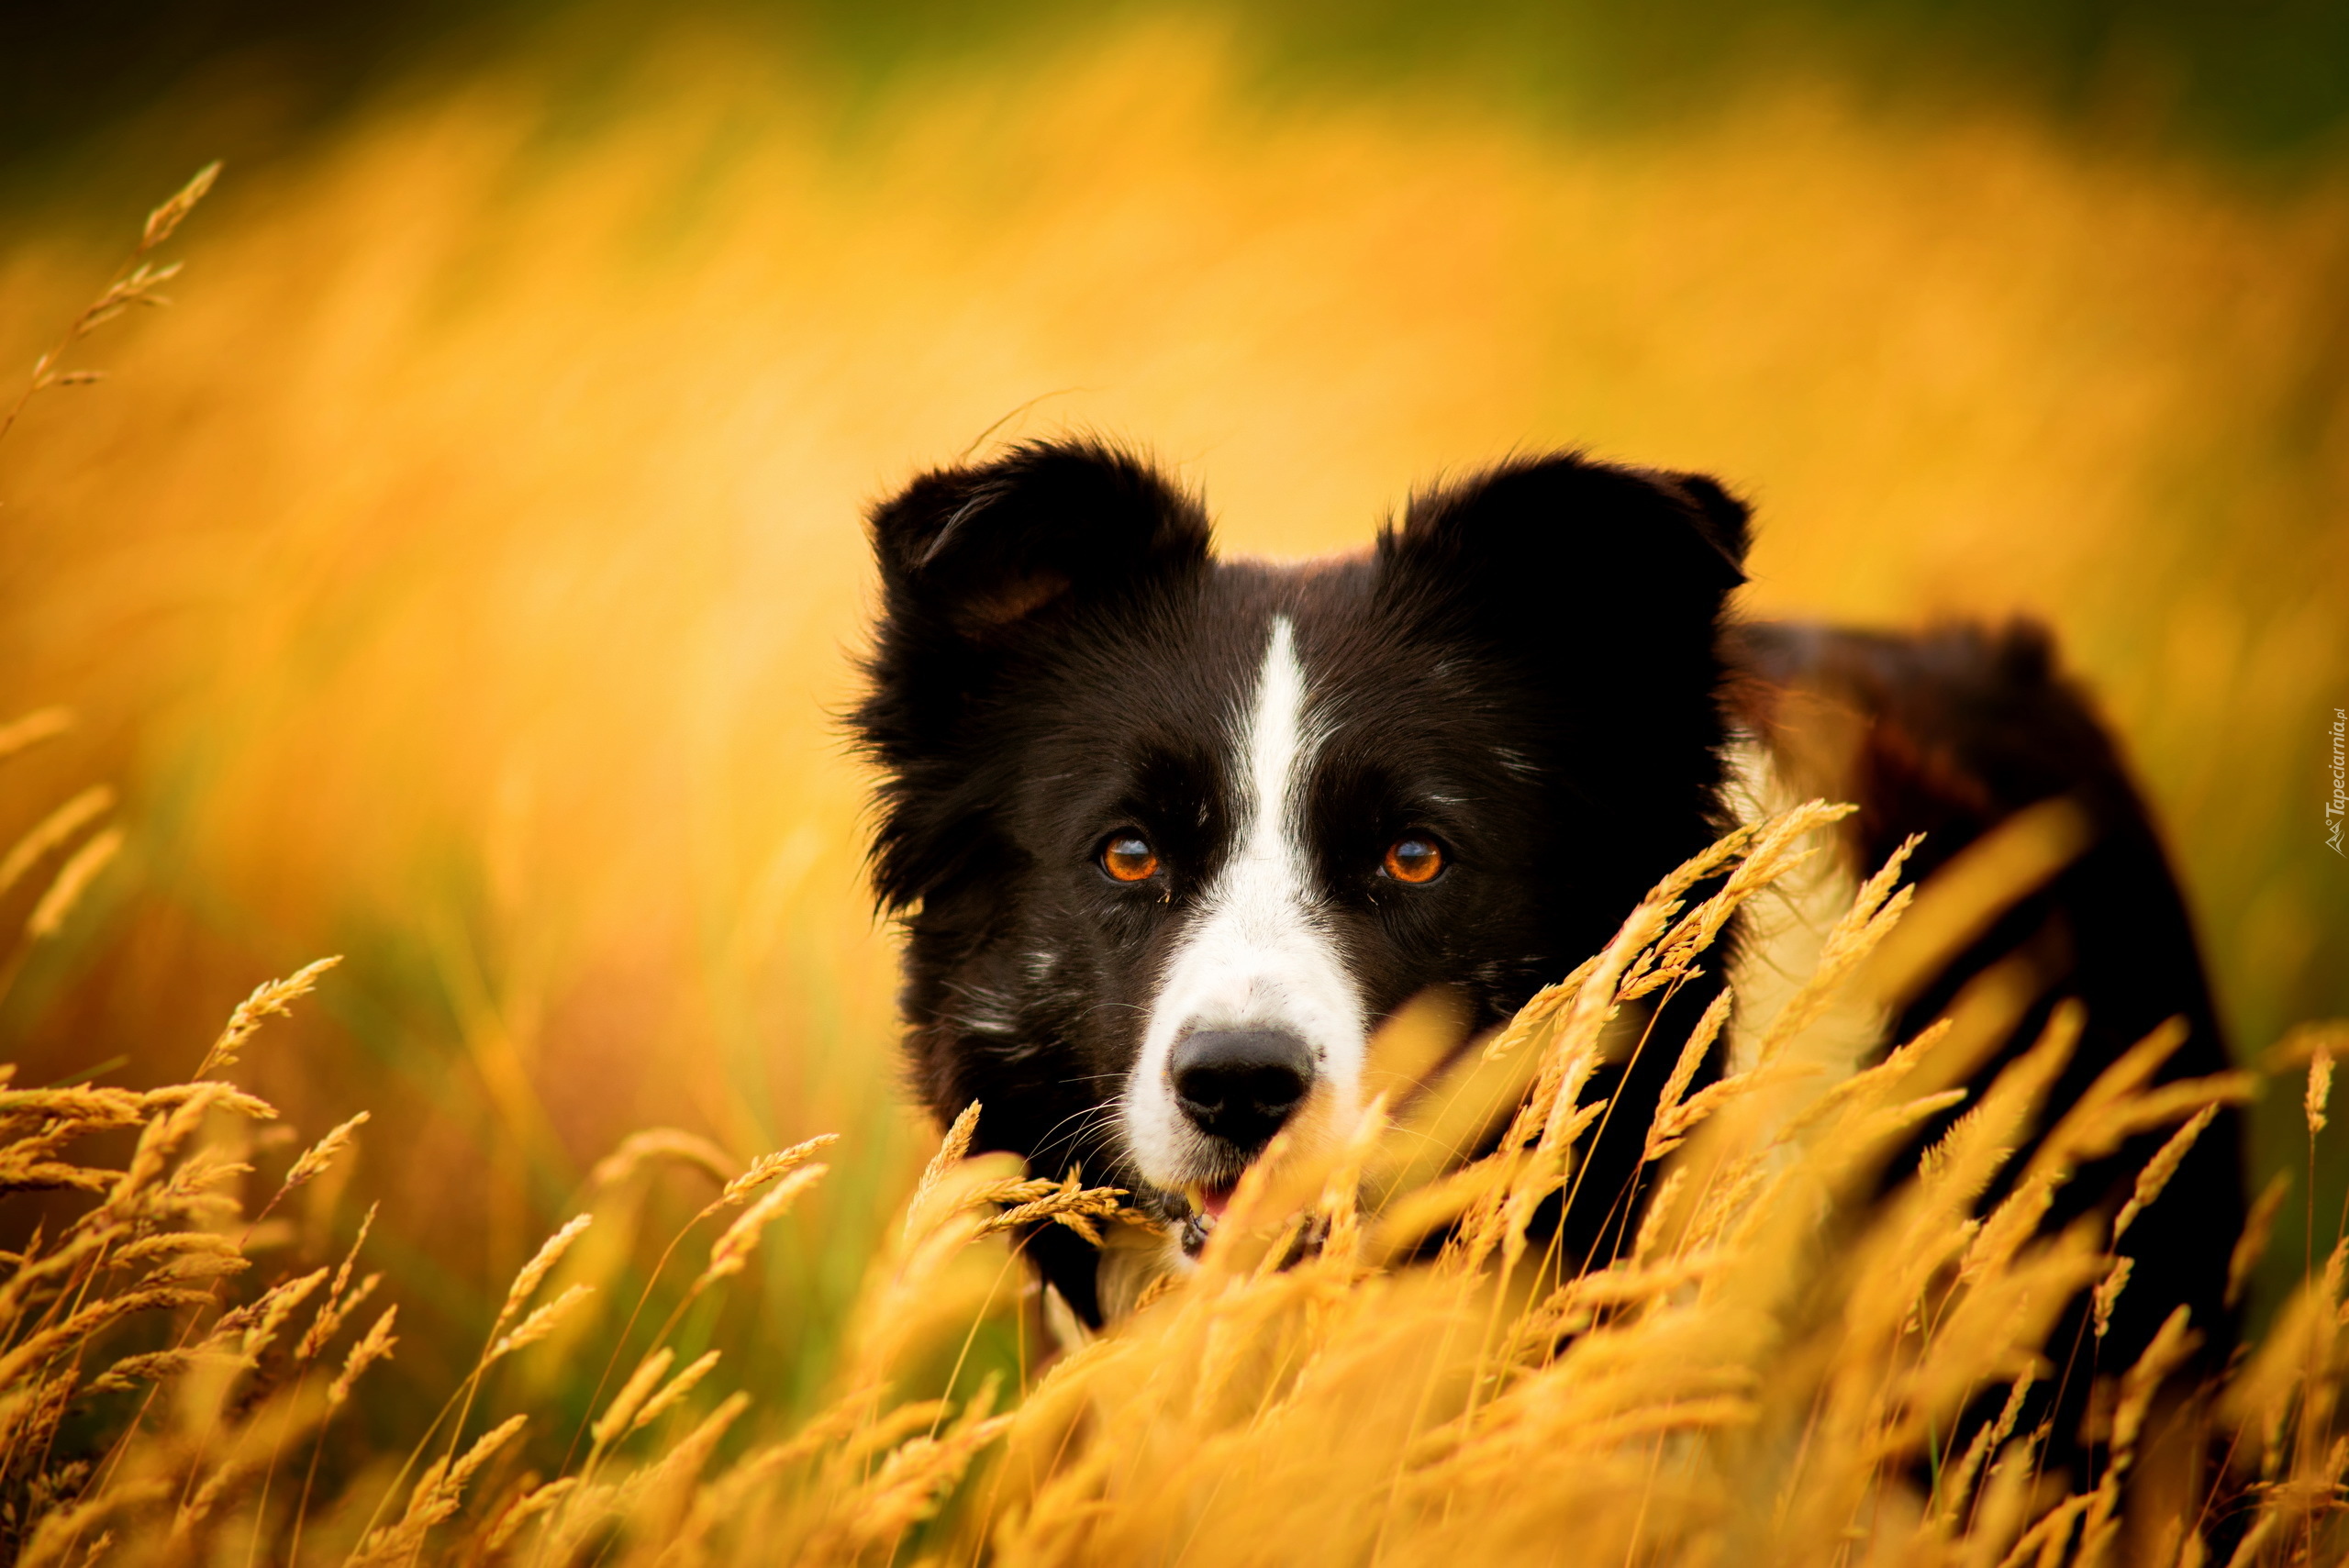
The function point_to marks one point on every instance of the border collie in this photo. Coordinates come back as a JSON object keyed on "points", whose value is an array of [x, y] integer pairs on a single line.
{"points": [[1171, 835]]}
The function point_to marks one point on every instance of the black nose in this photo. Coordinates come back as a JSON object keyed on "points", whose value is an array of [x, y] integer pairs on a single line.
{"points": [[1240, 1084]]}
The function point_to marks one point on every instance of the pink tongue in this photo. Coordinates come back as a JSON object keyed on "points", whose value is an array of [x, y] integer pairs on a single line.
{"points": [[1214, 1200]]}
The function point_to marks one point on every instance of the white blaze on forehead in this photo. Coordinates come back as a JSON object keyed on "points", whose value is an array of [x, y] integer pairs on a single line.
{"points": [[1258, 952]]}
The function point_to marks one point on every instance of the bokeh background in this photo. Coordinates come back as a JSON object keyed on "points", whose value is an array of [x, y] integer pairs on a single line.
{"points": [[463, 574]]}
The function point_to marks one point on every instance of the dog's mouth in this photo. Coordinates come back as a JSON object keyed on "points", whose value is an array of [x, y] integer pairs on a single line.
{"points": [[1211, 1198], [1207, 1202]]}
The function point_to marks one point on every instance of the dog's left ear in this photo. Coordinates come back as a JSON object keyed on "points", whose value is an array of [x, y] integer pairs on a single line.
{"points": [[1723, 522], [1536, 527], [1560, 556]]}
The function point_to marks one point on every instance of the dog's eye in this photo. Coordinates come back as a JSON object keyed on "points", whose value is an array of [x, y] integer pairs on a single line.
{"points": [[1129, 858], [1413, 860]]}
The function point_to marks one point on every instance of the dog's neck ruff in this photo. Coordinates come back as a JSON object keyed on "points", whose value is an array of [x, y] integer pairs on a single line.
{"points": [[1783, 931]]}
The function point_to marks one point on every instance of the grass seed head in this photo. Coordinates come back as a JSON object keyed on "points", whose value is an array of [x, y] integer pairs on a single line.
{"points": [[375, 1345], [271, 999], [673, 1144], [2319, 1089], [542, 1263], [674, 1390], [621, 1412], [533, 1504], [731, 1250], [2161, 1168], [952, 1150], [538, 1324], [265, 1319], [74, 879], [315, 1160], [54, 830], [438, 1493], [164, 219], [333, 1314], [776, 1166]]}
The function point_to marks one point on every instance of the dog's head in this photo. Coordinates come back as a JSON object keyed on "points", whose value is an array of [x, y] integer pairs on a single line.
{"points": [[1173, 834]]}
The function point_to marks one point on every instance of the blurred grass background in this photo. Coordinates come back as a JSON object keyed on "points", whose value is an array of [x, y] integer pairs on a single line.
{"points": [[462, 575]]}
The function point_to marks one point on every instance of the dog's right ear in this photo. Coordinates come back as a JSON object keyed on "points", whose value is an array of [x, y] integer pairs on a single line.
{"points": [[979, 553], [979, 566]]}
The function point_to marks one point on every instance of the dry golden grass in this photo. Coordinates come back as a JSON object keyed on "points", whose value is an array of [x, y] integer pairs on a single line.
{"points": [[1774, 1373]]}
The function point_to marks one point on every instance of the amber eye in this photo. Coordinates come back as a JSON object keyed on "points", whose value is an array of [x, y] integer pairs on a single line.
{"points": [[1413, 860], [1129, 858]]}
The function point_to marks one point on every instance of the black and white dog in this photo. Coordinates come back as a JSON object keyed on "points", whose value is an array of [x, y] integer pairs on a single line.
{"points": [[1172, 835]]}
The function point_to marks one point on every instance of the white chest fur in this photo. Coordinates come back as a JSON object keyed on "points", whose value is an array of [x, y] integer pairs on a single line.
{"points": [[1784, 928]]}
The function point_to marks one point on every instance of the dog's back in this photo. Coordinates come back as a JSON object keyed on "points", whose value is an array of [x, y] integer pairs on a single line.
{"points": [[1951, 734]]}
